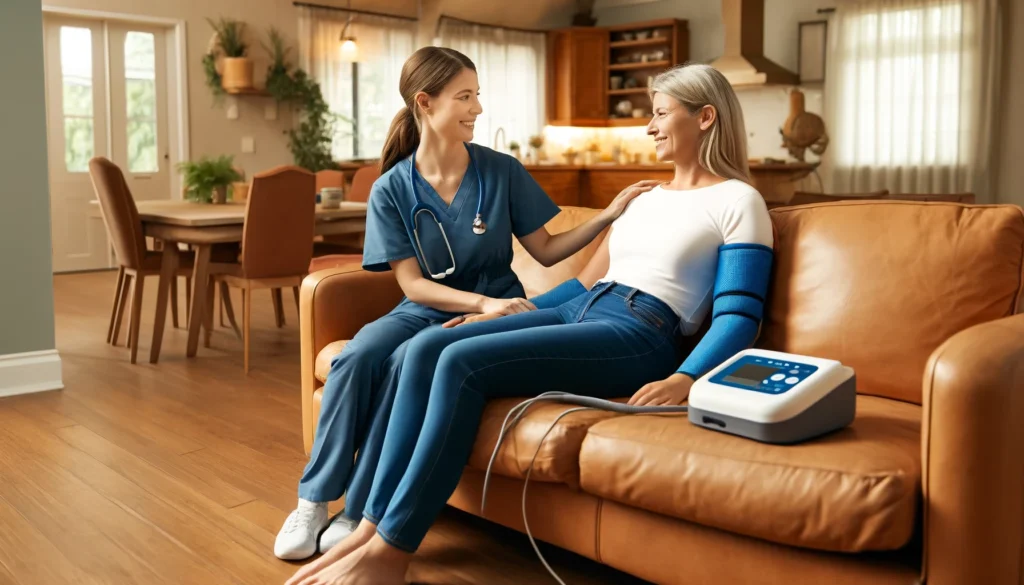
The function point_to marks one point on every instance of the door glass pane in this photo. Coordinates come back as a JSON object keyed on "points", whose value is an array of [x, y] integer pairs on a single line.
{"points": [[140, 87], [76, 76]]}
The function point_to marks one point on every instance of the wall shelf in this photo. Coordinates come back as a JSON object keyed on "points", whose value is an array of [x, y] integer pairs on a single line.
{"points": [[641, 43], [645, 65], [628, 91], [247, 91]]}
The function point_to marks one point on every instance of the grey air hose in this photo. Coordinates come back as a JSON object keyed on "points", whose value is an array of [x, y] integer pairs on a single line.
{"points": [[586, 403]]}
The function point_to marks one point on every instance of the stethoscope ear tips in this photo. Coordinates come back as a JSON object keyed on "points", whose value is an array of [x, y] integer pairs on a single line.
{"points": [[479, 227]]}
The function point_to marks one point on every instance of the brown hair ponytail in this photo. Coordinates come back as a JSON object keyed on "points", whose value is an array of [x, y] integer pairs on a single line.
{"points": [[428, 70]]}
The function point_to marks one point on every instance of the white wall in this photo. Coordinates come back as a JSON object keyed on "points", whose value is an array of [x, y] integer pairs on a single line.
{"points": [[764, 109], [1010, 184]]}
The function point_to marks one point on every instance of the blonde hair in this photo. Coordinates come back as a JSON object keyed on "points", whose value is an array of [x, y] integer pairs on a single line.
{"points": [[723, 147]]}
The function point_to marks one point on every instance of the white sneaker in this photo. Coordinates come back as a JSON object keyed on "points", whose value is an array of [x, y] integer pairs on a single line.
{"points": [[338, 531], [298, 537]]}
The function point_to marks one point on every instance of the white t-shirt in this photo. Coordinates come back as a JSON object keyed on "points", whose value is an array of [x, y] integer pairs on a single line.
{"points": [[666, 242]]}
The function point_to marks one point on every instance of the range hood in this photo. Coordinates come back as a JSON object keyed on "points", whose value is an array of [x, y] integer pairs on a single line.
{"points": [[743, 63]]}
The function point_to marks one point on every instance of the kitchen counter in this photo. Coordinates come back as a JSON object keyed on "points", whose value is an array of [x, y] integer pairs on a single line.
{"points": [[596, 185]]}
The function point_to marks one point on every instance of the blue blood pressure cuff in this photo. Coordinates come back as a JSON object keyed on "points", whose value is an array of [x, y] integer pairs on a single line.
{"points": [[741, 285], [559, 295]]}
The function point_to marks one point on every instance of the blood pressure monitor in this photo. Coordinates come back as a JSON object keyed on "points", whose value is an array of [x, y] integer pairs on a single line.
{"points": [[775, 397]]}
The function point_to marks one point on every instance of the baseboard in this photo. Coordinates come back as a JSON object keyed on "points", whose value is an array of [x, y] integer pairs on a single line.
{"points": [[34, 371]]}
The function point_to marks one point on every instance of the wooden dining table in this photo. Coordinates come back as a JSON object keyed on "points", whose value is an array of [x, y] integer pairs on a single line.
{"points": [[202, 225]]}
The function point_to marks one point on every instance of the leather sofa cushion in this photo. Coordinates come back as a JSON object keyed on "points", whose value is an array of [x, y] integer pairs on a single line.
{"points": [[558, 459], [322, 366], [879, 285], [853, 490], [538, 279]]}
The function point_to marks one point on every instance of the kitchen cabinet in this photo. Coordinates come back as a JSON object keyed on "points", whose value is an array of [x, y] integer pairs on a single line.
{"points": [[598, 76], [577, 72], [596, 185]]}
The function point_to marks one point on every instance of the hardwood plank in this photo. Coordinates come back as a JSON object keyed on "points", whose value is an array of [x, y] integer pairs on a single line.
{"points": [[98, 535], [26, 556], [227, 540], [209, 484]]}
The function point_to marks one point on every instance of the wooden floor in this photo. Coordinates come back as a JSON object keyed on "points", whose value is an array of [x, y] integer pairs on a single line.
{"points": [[183, 472]]}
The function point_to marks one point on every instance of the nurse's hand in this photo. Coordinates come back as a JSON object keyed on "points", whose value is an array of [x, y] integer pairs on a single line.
{"points": [[506, 306], [474, 318], [668, 392], [621, 201]]}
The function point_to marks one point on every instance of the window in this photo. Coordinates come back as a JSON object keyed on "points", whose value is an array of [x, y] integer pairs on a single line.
{"points": [[910, 94], [140, 89], [511, 68], [76, 71], [364, 94]]}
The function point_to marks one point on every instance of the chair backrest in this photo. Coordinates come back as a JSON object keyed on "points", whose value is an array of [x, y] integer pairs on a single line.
{"points": [[120, 215], [805, 197], [329, 178], [362, 181], [280, 216], [945, 197]]}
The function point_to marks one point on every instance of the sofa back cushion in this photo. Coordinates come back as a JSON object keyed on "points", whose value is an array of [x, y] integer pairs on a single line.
{"points": [[879, 285], [535, 277]]}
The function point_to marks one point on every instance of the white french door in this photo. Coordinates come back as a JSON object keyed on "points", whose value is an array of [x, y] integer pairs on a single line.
{"points": [[106, 88]]}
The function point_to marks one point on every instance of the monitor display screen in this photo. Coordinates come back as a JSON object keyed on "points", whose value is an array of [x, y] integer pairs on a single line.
{"points": [[750, 374]]}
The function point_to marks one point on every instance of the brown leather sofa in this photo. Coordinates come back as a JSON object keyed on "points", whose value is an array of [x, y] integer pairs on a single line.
{"points": [[927, 484]]}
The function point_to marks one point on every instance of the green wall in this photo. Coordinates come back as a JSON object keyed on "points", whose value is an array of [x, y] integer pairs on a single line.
{"points": [[26, 281]]}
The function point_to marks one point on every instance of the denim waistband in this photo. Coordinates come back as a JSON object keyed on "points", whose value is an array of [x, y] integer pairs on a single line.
{"points": [[639, 301]]}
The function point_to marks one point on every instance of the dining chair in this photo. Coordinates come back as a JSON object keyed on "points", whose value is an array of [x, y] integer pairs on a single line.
{"points": [[329, 178], [804, 197], [135, 261], [277, 241], [359, 191]]}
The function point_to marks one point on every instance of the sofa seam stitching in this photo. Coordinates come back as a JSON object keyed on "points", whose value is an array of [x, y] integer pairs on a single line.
{"points": [[597, 530]]}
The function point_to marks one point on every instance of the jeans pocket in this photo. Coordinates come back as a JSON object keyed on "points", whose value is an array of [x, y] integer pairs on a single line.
{"points": [[645, 316]]}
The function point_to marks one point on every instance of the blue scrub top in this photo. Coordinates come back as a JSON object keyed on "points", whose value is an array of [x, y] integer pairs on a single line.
{"points": [[513, 204]]}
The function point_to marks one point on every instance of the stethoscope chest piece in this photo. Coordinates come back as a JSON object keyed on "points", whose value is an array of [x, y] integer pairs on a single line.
{"points": [[479, 227]]}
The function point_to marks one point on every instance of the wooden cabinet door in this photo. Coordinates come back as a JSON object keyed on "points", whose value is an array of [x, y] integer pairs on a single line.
{"points": [[577, 77], [590, 72]]}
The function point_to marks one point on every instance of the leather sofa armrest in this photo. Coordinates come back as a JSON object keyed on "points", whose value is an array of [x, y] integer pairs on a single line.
{"points": [[973, 456], [333, 305]]}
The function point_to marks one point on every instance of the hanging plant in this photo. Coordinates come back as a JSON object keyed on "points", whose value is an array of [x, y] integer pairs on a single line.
{"points": [[310, 143]]}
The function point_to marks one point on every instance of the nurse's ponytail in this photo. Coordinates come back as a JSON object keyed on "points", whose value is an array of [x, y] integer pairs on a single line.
{"points": [[428, 70]]}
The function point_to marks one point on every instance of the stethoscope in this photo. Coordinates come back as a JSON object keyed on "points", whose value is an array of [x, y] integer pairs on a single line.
{"points": [[479, 227]]}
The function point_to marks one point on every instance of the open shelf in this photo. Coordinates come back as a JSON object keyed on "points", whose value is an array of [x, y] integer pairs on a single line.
{"points": [[642, 43], [631, 66], [614, 122], [628, 91], [247, 91]]}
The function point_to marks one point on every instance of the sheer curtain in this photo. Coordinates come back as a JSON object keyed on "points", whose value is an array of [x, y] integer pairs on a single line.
{"points": [[384, 45], [511, 68], [910, 91]]}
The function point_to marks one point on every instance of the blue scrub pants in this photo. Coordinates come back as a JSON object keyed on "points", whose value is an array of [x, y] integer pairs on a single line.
{"points": [[356, 405], [606, 343]]}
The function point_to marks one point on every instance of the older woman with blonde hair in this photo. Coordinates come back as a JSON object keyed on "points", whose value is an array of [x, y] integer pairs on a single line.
{"points": [[695, 248]]}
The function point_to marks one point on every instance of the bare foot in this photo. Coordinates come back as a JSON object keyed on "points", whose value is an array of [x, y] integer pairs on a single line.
{"points": [[375, 563], [360, 536]]}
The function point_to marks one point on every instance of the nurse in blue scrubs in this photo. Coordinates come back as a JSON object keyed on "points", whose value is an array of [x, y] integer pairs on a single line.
{"points": [[442, 216]]}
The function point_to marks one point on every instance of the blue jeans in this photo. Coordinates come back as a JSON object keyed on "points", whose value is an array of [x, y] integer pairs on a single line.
{"points": [[356, 405], [606, 343]]}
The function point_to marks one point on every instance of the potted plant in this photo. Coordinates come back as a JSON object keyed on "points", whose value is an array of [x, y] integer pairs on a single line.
{"points": [[207, 180], [514, 147], [537, 144], [310, 142], [237, 67]]}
